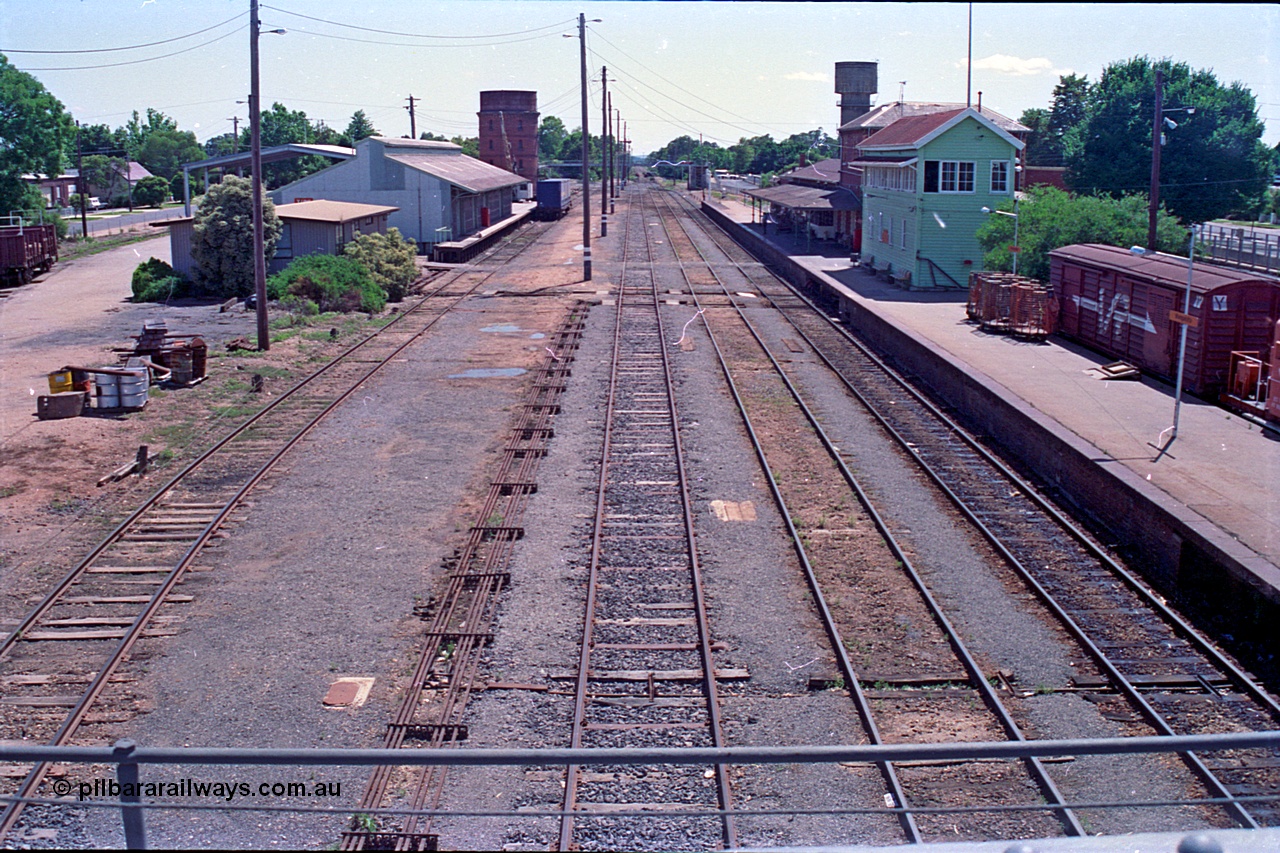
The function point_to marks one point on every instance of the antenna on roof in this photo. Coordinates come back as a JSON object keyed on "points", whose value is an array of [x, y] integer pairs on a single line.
{"points": [[968, 66], [902, 91]]}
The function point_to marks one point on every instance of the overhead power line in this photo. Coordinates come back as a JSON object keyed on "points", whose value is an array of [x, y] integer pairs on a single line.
{"points": [[556, 26], [406, 44], [131, 46], [140, 61]]}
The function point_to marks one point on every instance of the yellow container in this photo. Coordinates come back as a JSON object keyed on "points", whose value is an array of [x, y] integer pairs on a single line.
{"points": [[60, 382]]}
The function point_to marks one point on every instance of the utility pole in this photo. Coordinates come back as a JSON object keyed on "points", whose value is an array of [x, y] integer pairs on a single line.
{"points": [[586, 156], [413, 122], [613, 163], [1156, 121], [255, 157], [604, 154], [80, 184]]}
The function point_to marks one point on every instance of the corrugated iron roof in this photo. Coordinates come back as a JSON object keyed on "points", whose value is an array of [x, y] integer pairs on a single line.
{"points": [[908, 130], [421, 144], [460, 170], [827, 171], [1169, 270], [324, 210], [800, 197], [885, 115]]}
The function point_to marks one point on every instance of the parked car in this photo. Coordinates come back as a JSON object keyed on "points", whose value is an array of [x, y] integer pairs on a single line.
{"points": [[94, 203]]}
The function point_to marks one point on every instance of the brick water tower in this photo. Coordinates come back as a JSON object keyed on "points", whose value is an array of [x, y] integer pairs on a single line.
{"points": [[509, 131]]}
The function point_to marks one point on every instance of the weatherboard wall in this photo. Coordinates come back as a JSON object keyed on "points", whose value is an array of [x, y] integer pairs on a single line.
{"points": [[941, 247]]}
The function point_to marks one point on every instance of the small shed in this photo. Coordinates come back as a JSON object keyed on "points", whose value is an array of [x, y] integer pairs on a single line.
{"points": [[324, 227], [1127, 305], [309, 227]]}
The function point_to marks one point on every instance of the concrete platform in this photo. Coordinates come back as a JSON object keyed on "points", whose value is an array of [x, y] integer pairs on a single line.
{"points": [[1220, 478]]}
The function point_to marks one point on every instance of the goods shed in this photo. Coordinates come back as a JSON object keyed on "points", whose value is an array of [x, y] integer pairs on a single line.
{"points": [[440, 194], [1126, 305]]}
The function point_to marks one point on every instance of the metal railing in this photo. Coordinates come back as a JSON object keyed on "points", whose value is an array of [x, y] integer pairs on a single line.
{"points": [[123, 221], [1246, 247], [128, 758]]}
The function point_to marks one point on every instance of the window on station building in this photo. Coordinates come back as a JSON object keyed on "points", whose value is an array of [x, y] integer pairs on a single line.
{"points": [[999, 176], [949, 176]]}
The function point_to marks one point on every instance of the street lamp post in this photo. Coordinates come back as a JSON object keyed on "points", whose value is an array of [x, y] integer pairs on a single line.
{"points": [[1184, 321]]}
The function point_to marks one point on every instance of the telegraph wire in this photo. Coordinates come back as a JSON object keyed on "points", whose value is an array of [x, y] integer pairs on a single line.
{"points": [[140, 61], [128, 47], [406, 44], [555, 26], [681, 88]]}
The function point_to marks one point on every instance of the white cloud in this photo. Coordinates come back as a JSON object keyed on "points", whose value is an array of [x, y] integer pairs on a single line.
{"points": [[808, 76], [1015, 66]]}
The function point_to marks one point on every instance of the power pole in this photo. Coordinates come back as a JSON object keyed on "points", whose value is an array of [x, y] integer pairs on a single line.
{"points": [[586, 156], [1154, 203], [613, 165], [413, 122], [80, 183], [604, 154], [255, 157]]}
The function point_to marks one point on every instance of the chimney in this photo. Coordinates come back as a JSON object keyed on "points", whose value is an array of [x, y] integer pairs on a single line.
{"points": [[979, 101], [804, 159]]}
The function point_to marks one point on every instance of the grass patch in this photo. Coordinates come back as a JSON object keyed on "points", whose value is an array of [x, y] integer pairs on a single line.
{"points": [[76, 247]]}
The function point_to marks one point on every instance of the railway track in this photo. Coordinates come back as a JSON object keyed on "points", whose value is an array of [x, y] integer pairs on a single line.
{"points": [[1147, 658], [969, 702], [646, 672], [59, 664], [432, 712]]}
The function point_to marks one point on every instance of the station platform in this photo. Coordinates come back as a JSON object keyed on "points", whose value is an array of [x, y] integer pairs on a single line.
{"points": [[1220, 475]]}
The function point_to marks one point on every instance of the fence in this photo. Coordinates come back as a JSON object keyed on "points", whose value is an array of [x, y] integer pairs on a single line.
{"points": [[1251, 248], [128, 759], [122, 222]]}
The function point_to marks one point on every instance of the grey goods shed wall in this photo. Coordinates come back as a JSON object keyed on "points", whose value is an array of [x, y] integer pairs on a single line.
{"points": [[1119, 304]]}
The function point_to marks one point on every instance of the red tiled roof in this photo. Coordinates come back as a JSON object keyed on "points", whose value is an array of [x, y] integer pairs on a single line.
{"points": [[907, 131]]}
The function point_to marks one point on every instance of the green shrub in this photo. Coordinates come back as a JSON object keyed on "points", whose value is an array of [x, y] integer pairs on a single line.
{"points": [[390, 258], [151, 191], [156, 281], [332, 283]]}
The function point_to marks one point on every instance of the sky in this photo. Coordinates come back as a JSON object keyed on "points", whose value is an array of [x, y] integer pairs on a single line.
{"points": [[722, 70]]}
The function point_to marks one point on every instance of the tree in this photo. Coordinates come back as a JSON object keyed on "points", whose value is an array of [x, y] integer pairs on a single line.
{"points": [[1049, 218], [470, 145], [1039, 150], [34, 133], [107, 177], [551, 136], [222, 237], [152, 191], [164, 152], [390, 259], [1213, 161], [360, 127]]}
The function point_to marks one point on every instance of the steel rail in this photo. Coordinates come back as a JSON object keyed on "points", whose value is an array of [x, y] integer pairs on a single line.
{"points": [[96, 686], [861, 705], [1123, 684], [1183, 628], [573, 774], [976, 674]]}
